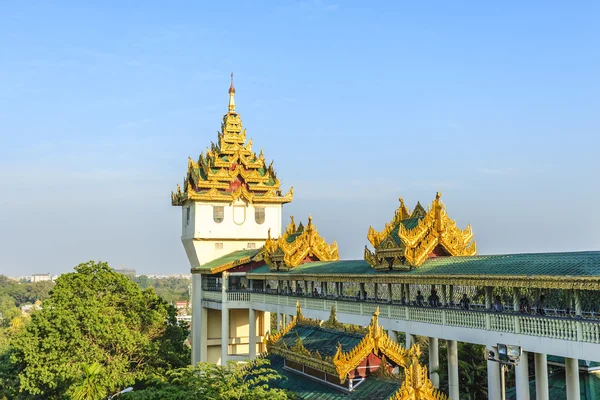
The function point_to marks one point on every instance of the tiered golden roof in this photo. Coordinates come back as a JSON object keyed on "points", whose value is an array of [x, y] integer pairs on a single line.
{"points": [[378, 342], [410, 238], [416, 384], [230, 170], [295, 245]]}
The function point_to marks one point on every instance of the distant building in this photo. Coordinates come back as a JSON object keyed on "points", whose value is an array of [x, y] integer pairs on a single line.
{"points": [[40, 277], [181, 305], [125, 271]]}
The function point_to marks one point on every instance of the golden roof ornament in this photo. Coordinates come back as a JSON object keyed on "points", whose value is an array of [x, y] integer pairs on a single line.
{"points": [[410, 238], [231, 96], [295, 245], [229, 170]]}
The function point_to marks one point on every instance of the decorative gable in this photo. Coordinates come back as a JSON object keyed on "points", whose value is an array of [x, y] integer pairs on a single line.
{"points": [[297, 245], [410, 238]]}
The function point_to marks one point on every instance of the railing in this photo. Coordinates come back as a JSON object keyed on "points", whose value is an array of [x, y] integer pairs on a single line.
{"points": [[541, 326], [214, 296], [238, 296]]}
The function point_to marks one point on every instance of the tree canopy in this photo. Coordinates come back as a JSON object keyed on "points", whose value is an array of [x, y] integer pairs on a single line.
{"points": [[98, 328], [235, 381]]}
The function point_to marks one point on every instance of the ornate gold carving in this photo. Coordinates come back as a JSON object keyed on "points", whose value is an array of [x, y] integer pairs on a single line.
{"points": [[230, 170], [377, 341], [297, 243], [417, 385], [434, 228]]}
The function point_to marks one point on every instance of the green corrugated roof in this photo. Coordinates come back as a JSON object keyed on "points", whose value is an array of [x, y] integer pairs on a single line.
{"points": [[323, 340], [374, 388], [584, 263], [230, 257]]}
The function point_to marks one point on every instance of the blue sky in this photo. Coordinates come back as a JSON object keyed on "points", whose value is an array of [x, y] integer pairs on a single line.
{"points": [[495, 105]]}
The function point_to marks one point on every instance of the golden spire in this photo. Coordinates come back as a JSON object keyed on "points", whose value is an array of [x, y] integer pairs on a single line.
{"points": [[231, 96]]}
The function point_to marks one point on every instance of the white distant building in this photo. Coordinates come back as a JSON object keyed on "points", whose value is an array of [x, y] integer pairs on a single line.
{"points": [[40, 277]]}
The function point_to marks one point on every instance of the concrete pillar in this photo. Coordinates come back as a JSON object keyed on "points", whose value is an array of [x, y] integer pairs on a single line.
{"points": [[572, 372], [453, 391], [376, 286], [516, 299], [577, 296], [522, 377], [410, 340], [252, 333], [393, 335], [196, 304], [362, 291], [434, 362], [312, 287], [568, 300], [224, 319], [541, 376], [443, 297], [341, 289], [390, 292], [224, 334], [451, 295], [407, 292], [279, 322], [493, 374], [488, 297]]}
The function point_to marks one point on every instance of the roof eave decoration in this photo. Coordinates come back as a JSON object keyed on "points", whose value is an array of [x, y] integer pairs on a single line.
{"points": [[377, 341], [434, 228], [230, 170], [295, 245], [417, 385]]}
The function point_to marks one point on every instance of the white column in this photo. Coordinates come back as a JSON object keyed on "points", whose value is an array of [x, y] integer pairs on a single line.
{"points": [[577, 297], [488, 297], [444, 298], [522, 377], [453, 370], [516, 299], [196, 303], [278, 321], [493, 374], [393, 335], [434, 362], [410, 340], [541, 376], [390, 293], [451, 295], [252, 333], [362, 291], [572, 370], [224, 320]]}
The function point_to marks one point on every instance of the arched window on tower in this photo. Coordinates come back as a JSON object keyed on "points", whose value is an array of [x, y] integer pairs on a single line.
{"points": [[218, 214], [259, 215]]}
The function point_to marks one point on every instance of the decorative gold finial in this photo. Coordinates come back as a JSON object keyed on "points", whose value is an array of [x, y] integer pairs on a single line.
{"points": [[231, 96]]}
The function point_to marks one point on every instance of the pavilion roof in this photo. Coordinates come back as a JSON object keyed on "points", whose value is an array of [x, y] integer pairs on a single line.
{"points": [[229, 170], [228, 261], [374, 387]]}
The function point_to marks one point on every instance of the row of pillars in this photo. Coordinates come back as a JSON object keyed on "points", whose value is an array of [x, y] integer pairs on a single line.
{"points": [[494, 372]]}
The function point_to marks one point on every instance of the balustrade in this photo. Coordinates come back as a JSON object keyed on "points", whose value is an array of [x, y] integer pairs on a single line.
{"points": [[534, 325]]}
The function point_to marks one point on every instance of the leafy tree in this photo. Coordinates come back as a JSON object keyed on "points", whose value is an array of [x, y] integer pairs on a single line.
{"points": [[207, 381], [91, 387], [96, 316]]}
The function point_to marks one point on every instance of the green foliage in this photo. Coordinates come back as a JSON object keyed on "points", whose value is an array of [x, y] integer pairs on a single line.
{"points": [[170, 289], [93, 317], [91, 387], [14, 294], [207, 381]]}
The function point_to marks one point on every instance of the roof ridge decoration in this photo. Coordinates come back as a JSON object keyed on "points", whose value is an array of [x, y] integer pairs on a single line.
{"points": [[417, 385], [410, 238], [295, 245], [376, 340], [230, 170]]}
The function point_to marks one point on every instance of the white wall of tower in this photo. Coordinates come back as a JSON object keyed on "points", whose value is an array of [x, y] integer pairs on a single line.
{"points": [[205, 239]]}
